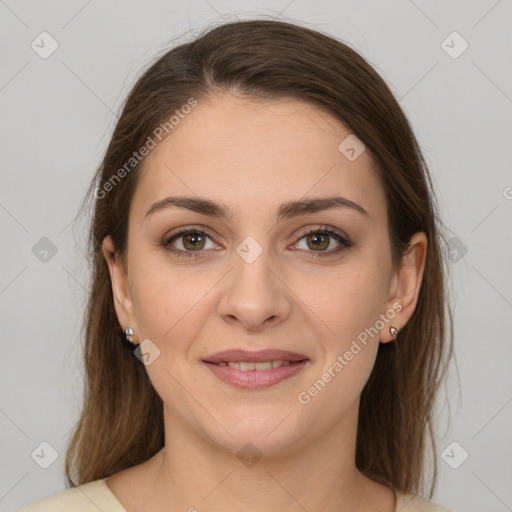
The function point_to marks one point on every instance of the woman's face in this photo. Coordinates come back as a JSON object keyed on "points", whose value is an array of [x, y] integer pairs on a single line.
{"points": [[260, 278]]}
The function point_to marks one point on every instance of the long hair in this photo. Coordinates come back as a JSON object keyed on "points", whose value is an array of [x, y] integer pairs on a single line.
{"points": [[121, 423]]}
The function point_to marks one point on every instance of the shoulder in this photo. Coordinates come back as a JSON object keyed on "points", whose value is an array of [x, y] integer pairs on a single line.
{"points": [[89, 497], [407, 502]]}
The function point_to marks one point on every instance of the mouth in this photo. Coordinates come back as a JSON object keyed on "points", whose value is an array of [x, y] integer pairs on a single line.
{"points": [[255, 370], [245, 366]]}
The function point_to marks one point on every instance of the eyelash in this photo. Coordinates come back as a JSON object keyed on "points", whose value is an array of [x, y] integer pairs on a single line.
{"points": [[345, 244]]}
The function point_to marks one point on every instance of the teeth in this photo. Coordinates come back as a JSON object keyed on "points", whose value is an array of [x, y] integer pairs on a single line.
{"points": [[245, 366]]}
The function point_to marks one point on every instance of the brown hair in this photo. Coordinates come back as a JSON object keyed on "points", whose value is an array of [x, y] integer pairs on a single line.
{"points": [[121, 423]]}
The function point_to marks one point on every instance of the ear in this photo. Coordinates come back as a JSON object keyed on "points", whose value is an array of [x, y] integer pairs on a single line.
{"points": [[405, 285], [123, 302]]}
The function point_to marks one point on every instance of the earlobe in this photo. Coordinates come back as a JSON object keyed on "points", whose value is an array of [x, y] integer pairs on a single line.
{"points": [[406, 285], [118, 276]]}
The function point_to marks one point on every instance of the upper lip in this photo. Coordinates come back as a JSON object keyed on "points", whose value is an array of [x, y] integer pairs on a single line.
{"points": [[256, 357]]}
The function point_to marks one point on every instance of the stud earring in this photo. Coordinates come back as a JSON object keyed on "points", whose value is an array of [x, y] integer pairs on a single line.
{"points": [[128, 334], [394, 332]]}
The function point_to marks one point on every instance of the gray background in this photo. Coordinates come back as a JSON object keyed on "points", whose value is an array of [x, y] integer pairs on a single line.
{"points": [[58, 114]]}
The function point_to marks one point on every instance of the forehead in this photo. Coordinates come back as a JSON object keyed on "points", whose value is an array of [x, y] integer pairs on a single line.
{"points": [[258, 154]]}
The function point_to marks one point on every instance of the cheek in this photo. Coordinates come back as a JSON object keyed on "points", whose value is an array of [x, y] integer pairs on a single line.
{"points": [[172, 307], [343, 301], [171, 302], [349, 311], [348, 301]]}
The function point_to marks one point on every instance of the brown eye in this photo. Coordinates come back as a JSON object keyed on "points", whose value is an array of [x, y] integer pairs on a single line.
{"points": [[318, 241], [188, 243], [193, 241]]}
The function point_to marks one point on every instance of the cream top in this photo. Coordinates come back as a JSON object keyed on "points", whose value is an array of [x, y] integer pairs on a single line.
{"points": [[96, 495]]}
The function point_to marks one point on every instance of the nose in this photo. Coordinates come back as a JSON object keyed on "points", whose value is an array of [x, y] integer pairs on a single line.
{"points": [[255, 294]]}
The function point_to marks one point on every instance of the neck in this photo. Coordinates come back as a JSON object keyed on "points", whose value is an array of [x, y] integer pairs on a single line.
{"points": [[191, 474]]}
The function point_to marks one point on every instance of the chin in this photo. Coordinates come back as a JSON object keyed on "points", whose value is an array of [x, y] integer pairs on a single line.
{"points": [[258, 436]]}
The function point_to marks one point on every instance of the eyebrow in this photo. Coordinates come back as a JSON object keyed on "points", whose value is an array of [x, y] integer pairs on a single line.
{"points": [[287, 210]]}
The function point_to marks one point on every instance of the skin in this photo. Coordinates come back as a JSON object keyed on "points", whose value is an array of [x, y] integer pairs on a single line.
{"points": [[253, 156]]}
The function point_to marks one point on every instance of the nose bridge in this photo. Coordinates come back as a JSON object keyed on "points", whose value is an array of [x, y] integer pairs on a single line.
{"points": [[252, 275], [254, 294]]}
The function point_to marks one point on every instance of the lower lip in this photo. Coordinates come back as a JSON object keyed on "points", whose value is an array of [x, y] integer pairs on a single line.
{"points": [[255, 379]]}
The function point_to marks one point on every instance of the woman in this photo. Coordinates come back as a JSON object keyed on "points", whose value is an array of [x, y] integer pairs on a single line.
{"points": [[265, 239]]}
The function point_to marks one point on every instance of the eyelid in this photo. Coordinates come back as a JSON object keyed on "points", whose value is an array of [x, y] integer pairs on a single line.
{"points": [[186, 230], [322, 228], [303, 231], [342, 239]]}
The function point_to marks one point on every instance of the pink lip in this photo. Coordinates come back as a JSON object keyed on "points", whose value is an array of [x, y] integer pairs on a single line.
{"points": [[255, 357], [255, 379]]}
